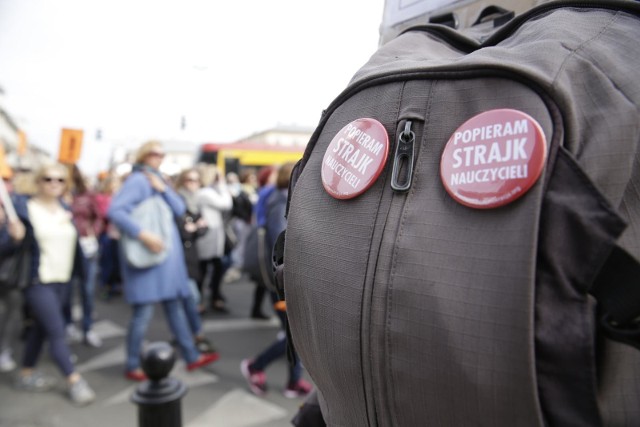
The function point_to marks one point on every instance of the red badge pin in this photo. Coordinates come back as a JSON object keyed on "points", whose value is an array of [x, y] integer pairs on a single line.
{"points": [[355, 158], [493, 159]]}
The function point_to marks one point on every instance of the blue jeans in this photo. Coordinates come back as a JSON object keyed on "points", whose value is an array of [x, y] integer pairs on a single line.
{"points": [[9, 317], [46, 303], [174, 314], [190, 305], [87, 292], [277, 350], [108, 260]]}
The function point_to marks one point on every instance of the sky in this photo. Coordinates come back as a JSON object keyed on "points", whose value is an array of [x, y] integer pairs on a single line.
{"points": [[134, 68]]}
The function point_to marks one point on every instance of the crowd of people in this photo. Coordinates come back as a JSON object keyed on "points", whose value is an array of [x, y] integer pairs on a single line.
{"points": [[153, 239]]}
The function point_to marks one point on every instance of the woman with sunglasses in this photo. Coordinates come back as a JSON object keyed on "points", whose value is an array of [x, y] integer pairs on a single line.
{"points": [[56, 261], [165, 282]]}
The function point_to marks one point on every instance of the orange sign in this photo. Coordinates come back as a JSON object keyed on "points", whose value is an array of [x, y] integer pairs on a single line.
{"points": [[21, 149], [5, 170], [70, 146]]}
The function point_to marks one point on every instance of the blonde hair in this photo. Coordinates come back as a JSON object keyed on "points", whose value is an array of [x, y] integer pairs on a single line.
{"points": [[147, 148], [42, 171], [46, 168], [208, 174]]}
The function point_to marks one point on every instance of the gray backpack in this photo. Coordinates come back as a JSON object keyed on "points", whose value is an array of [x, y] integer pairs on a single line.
{"points": [[464, 228]]}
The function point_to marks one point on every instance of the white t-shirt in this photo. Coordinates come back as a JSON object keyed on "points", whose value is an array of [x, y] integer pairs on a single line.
{"points": [[56, 237]]}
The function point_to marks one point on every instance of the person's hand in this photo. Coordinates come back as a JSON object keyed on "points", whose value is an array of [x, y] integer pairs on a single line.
{"points": [[201, 223], [156, 182], [152, 241], [190, 227], [16, 230]]}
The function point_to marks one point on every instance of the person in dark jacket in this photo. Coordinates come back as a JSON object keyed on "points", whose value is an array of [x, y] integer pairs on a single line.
{"points": [[46, 226], [10, 301], [253, 369], [191, 227]]}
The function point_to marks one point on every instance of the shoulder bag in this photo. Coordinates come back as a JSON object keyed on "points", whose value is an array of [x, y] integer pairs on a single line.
{"points": [[152, 215]]}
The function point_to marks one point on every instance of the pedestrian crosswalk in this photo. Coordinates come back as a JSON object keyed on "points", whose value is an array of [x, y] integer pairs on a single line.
{"points": [[217, 395]]}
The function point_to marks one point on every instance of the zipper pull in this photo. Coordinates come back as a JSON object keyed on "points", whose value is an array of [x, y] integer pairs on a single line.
{"points": [[403, 159]]}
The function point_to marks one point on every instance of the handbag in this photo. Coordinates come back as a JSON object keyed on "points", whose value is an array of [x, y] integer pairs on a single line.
{"points": [[155, 216], [15, 269], [89, 245], [230, 238]]}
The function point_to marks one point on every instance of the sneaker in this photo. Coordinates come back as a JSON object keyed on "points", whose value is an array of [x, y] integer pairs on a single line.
{"points": [[6, 361], [136, 375], [35, 381], [204, 345], [203, 360], [299, 389], [73, 333], [92, 339], [257, 380], [80, 393], [233, 274]]}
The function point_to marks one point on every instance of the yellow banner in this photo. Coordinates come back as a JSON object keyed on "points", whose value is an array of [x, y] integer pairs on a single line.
{"points": [[70, 146]]}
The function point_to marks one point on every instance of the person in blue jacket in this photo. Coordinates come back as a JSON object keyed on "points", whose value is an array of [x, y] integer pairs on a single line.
{"points": [[165, 282]]}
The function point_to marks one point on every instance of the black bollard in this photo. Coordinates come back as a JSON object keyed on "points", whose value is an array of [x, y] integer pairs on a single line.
{"points": [[158, 398]]}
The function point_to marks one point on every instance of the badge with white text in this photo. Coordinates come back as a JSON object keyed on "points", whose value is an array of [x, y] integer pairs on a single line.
{"points": [[355, 158], [493, 159]]}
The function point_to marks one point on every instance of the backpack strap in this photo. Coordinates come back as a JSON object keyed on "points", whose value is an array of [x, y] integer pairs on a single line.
{"points": [[277, 260], [617, 290]]}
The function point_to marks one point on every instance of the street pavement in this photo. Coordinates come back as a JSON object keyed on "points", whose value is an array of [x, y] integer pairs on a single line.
{"points": [[217, 395]]}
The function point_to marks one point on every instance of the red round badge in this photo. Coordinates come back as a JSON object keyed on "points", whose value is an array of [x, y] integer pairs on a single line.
{"points": [[493, 159], [355, 158]]}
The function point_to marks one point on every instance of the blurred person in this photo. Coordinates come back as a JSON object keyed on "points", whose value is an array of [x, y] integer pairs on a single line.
{"points": [[267, 185], [24, 183], [10, 301], [192, 227], [249, 184], [266, 181], [253, 369], [233, 183], [90, 222], [240, 223], [47, 226], [166, 282], [108, 257], [213, 200]]}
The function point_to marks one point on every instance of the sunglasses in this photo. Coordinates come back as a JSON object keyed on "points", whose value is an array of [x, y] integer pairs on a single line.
{"points": [[49, 179], [155, 154], [191, 180]]}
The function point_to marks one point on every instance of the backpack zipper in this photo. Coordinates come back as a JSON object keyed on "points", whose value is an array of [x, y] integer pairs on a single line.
{"points": [[403, 159]]}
